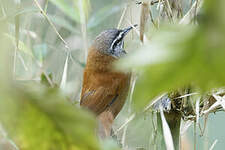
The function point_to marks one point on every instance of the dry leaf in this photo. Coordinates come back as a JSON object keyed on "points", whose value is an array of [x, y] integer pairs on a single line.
{"points": [[144, 18]]}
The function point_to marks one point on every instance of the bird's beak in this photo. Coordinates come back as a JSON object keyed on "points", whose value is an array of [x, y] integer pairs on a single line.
{"points": [[126, 30]]}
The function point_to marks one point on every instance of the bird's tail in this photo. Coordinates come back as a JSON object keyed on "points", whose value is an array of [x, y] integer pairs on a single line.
{"points": [[105, 124]]}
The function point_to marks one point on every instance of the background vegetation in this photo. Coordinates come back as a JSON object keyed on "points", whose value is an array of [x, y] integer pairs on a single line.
{"points": [[44, 47]]}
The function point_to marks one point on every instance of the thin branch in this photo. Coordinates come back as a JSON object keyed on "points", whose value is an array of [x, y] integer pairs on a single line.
{"points": [[46, 6], [48, 79], [122, 17], [186, 95], [133, 81], [154, 2], [126, 122], [83, 28], [152, 20], [214, 143], [22, 61], [195, 10], [137, 32], [169, 10], [52, 25], [189, 15], [195, 136]]}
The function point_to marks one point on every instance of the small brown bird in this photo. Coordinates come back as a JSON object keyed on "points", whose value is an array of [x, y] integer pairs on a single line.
{"points": [[105, 90]]}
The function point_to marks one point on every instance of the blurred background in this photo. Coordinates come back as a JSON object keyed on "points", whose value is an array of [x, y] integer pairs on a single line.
{"points": [[44, 46]]}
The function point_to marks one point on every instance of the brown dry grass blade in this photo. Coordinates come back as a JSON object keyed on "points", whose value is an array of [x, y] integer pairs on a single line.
{"points": [[144, 18]]}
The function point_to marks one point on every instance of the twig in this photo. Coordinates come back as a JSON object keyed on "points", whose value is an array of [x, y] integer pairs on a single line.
{"points": [[154, 2], [14, 61], [186, 95], [152, 20], [189, 15], [48, 79], [195, 136], [137, 32], [151, 3], [52, 25], [46, 6], [22, 61], [134, 114], [122, 17], [133, 81], [83, 27], [205, 122], [169, 9], [127, 121], [214, 143], [195, 10]]}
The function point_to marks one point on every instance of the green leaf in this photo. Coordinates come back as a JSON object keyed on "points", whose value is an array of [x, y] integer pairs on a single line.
{"points": [[40, 118], [178, 56]]}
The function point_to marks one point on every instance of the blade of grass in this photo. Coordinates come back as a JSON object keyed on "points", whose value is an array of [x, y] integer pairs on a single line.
{"points": [[133, 81], [166, 131], [122, 16], [17, 33], [197, 110], [46, 6], [143, 19], [64, 76], [83, 17], [220, 99], [213, 145], [51, 24]]}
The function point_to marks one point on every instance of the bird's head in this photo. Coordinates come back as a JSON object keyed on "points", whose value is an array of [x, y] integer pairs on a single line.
{"points": [[111, 42]]}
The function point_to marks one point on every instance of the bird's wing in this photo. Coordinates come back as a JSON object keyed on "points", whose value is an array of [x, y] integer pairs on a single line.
{"points": [[98, 100]]}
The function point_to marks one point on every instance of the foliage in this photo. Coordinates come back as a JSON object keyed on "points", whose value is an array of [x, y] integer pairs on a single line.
{"points": [[34, 112], [181, 55], [43, 47]]}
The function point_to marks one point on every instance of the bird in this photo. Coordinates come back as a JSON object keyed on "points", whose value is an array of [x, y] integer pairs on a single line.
{"points": [[104, 89]]}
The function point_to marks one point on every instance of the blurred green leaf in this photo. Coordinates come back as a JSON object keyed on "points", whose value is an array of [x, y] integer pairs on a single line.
{"points": [[41, 118], [179, 56]]}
